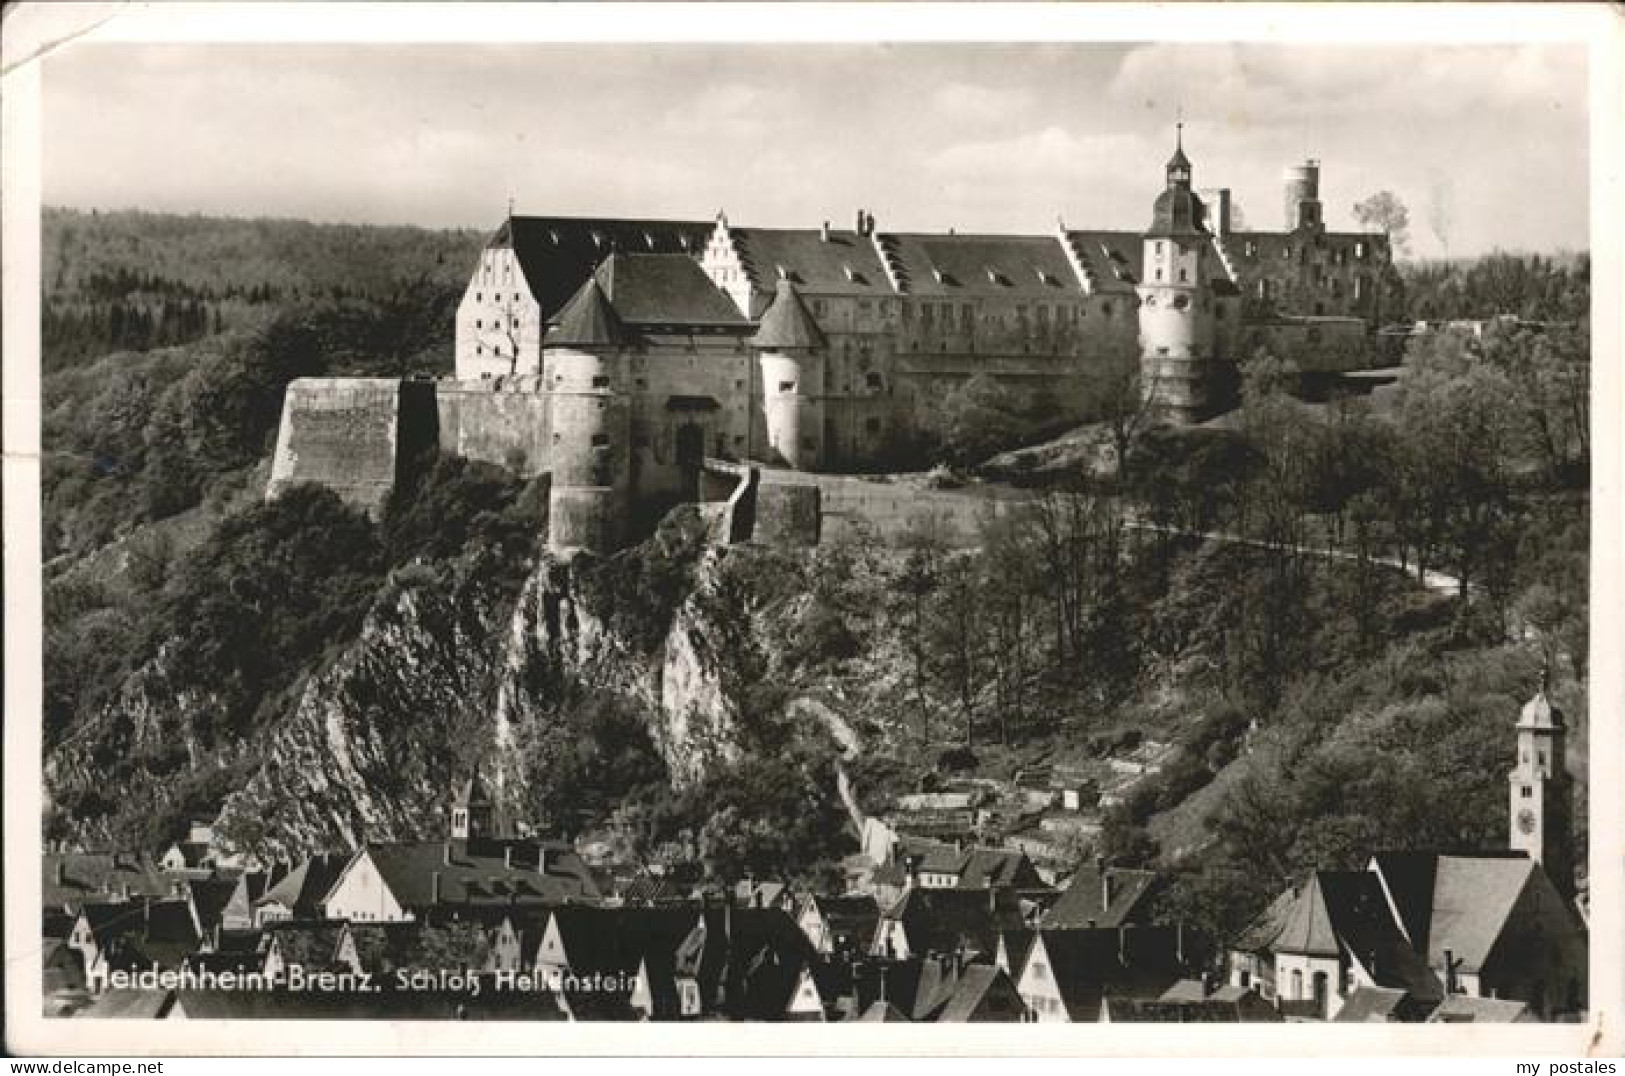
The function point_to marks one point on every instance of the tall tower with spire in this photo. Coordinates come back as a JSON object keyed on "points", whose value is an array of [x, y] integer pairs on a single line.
{"points": [[1541, 790], [1178, 362]]}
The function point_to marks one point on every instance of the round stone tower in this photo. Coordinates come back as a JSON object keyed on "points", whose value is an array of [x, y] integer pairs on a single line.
{"points": [[585, 360], [792, 354], [1177, 345], [1302, 183]]}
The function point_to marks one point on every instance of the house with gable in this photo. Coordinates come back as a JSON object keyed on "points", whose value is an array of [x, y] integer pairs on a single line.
{"points": [[1438, 926], [302, 892], [1069, 975]]}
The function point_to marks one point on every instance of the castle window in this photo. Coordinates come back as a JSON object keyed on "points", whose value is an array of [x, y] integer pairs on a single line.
{"points": [[600, 382], [479, 349], [787, 386], [478, 324], [874, 382], [1159, 248], [1159, 273], [1525, 791], [1162, 351], [600, 440], [1184, 276]]}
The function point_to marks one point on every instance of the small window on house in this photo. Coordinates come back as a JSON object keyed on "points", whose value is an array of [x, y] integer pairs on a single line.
{"points": [[787, 386], [600, 382], [600, 440], [479, 324], [739, 384], [1106, 310], [479, 349], [1524, 792], [874, 382], [1162, 351], [1159, 273], [1159, 248], [1184, 276]]}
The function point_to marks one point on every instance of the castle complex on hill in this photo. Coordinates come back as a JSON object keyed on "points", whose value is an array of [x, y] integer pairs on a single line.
{"points": [[621, 355]]}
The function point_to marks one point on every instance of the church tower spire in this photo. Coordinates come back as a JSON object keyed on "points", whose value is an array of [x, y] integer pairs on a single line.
{"points": [[1541, 790]]}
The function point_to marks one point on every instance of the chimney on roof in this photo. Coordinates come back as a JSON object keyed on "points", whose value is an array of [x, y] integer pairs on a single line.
{"points": [[823, 233], [507, 857], [434, 887], [1179, 941], [1122, 945], [541, 857], [445, 853], [1449, 970], [61, 872]]}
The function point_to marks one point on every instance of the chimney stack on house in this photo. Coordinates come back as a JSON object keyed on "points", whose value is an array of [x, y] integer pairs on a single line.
{"points": [[61, 872], [434, 888], [823, 233], [1105, 883], [445, 853], [507, 857], [1449, 971]]}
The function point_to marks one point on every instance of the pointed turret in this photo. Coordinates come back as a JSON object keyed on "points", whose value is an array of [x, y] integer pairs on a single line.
{"points": [[587, 322], [787, 325]]}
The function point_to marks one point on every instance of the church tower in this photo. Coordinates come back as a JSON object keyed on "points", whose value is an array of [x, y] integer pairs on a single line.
{"points": [[792, 350], [1177, 346], [1541, 791], [471, 812]]}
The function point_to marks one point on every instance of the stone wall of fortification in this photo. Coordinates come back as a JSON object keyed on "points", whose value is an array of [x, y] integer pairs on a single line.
{"points": [[794, 508], [506, 422], [341, 433]]}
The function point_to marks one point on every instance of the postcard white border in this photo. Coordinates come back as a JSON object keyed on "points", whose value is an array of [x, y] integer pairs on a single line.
{"points": [[32, 30]]}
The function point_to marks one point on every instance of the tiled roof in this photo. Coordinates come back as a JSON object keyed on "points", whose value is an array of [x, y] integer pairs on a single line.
{"points": [[1461, 1009], [618, 939], [1081, 905], [557, 254], [1308, 929], [944, 920], [587, 321], [1262, 932], [209, 898], [1371, 1005], [883, 1012], [844, 264], [974, 985], [305, 888], [311, 943], [1473, 896], [665, 291], [853, 917], [73, 878], [1126, 962], [787, 324], [478, 873], [984, 266], [1111, 260]]}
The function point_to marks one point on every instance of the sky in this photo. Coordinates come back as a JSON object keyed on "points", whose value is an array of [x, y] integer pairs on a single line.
{"points": [[1487, 145]]}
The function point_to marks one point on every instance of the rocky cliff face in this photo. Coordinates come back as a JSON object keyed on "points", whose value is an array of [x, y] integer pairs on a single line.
{"points": [[445, 674]]}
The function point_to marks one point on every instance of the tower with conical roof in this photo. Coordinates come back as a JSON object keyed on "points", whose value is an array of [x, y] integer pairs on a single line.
{"points": [[792, 353], [584, 357], [1177, 340], [1541, 790]]}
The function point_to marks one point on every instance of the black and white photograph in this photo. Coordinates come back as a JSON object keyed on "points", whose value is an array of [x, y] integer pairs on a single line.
{"points": [[868, 525]]}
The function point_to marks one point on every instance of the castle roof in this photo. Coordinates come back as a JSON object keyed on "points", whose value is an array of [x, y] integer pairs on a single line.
{"points": [[1177, 211], [787, 324], [589, 321], [556, 254], [665, 291], [841, 263], [1111, 261], [983, 266]]}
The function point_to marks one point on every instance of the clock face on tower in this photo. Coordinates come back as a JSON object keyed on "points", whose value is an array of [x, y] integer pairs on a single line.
{"points": [[1526, 820]]}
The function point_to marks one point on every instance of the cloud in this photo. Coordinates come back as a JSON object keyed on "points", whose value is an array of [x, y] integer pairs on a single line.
{"points": [[981, 104]]}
